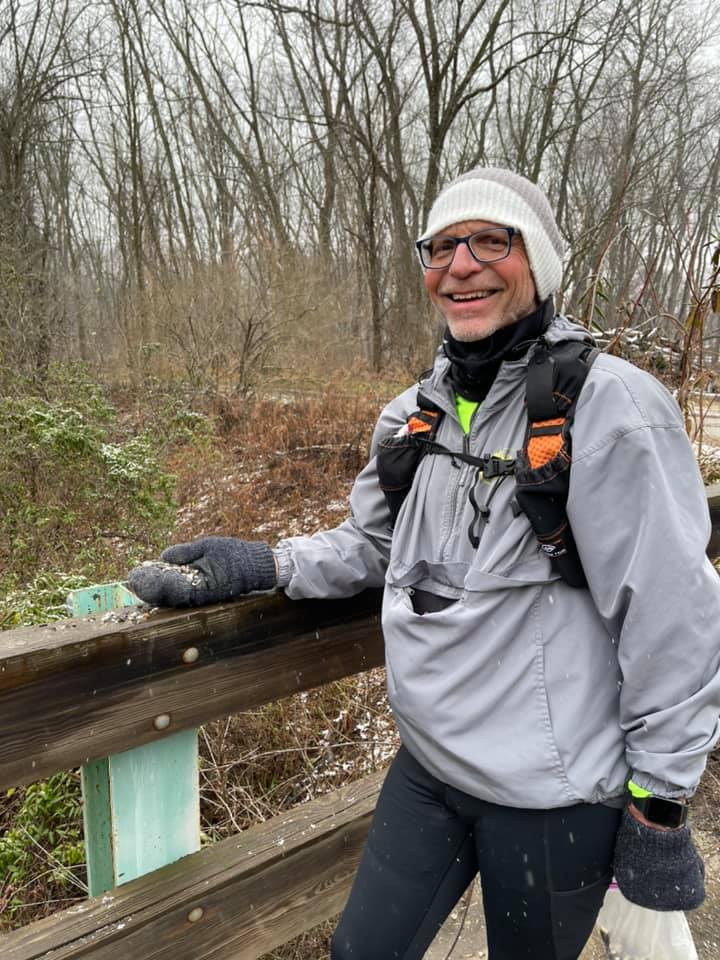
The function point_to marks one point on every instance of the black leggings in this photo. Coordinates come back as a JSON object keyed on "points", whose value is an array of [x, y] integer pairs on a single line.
{"points": [[543, 872]]}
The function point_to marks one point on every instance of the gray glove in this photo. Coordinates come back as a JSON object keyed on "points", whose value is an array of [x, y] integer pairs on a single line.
{"points": [[208, 570], [658, 869]]}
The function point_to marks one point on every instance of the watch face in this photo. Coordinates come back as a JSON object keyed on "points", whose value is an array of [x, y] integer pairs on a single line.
{"points": [[666, 813]]}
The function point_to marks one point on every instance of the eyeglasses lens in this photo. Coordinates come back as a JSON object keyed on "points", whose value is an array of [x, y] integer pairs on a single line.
{"points": [[485, 246], [490, 245]]}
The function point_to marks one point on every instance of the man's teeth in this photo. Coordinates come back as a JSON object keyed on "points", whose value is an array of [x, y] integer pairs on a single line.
{"points": [[477, 295]]}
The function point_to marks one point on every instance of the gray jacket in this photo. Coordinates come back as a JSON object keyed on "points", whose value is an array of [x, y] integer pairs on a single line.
{"points": [[525, 691]]}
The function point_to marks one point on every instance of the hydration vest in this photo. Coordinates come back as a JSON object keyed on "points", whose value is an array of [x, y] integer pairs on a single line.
{"points": [[555, 376]]}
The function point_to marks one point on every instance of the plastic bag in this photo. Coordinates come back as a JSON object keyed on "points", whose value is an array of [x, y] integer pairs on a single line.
{"points": [[630, 932]]}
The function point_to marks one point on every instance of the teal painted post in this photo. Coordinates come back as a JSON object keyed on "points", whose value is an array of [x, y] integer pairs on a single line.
{"points": [[141, 808]]}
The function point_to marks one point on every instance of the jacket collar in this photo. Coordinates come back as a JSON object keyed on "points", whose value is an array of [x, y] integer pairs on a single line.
{"points": [[474, 365], [511, 373]]}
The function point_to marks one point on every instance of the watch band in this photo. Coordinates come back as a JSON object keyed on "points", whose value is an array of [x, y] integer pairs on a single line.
{"points": [[637, 791], [661, 810]]}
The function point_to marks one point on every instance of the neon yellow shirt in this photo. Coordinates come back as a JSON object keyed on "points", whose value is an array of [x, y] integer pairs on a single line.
{"points": [[465, 410]]}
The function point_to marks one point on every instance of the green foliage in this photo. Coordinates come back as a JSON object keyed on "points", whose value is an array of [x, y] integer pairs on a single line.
{"points": [[82, 490], [169, 412], [175, 422], [75, 490], [42, 849], [40, 601]]}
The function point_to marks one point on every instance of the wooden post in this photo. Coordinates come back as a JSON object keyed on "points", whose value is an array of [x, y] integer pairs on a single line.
{"points": [[141, 808]]}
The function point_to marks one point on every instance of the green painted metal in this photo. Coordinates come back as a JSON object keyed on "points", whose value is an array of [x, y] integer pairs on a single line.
{"points": [[155, 805], [97, 819], [141, 807], [99, 599]]}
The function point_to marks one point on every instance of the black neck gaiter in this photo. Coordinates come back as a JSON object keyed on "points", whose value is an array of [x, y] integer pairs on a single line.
{"points": [[474, 365]]}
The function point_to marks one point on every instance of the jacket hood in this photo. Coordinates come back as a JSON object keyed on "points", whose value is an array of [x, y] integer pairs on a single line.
{"points": [[565, 328]]}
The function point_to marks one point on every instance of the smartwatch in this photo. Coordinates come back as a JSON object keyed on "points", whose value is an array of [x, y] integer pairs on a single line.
{"points": [[660, 810]]}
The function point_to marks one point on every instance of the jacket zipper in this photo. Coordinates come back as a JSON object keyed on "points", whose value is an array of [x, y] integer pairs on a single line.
{"points": [[462, 472]]}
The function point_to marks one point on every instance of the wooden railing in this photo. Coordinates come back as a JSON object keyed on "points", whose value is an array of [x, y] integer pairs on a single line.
{"points": [[79, 689], [76, 690], [82, 689]]}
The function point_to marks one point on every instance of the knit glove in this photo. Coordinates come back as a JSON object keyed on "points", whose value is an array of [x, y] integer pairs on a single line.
{"points": [[208, 570], [658, 869]]}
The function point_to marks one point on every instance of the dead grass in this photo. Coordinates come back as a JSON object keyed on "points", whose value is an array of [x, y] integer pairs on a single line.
{"points": [[313, 945], [258, 763], [707, 799], [281, 466]]}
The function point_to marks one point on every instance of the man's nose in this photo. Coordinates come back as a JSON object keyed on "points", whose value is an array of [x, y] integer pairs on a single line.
{"points": [[463, 263]]}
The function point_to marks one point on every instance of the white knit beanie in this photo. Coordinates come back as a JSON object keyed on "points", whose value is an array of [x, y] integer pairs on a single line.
{"points": [[502, 197]]}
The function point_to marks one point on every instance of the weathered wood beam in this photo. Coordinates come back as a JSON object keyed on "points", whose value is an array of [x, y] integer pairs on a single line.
{"points": [[234, 900], [81, 689]]}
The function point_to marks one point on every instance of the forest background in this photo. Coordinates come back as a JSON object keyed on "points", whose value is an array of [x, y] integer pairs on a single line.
{"points": [[208, 288]]}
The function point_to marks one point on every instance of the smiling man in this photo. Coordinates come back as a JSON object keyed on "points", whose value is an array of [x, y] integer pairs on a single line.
{"points": [[555, 716], [478, 276]]}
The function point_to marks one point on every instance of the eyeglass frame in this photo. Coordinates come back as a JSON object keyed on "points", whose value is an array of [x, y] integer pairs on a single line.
{"points": [[510, 231]]}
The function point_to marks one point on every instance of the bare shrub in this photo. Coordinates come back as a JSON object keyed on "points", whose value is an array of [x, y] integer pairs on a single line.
{"points": [[209, 327], [258, 763], [680, 350], [283, 465]]}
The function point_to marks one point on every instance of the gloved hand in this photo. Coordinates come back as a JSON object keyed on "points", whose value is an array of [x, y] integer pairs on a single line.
{"points": [[208, 570], [658, 869]]}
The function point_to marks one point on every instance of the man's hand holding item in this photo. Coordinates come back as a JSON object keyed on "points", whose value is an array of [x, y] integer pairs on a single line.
{"points": [[656, 866], [208, 570]]}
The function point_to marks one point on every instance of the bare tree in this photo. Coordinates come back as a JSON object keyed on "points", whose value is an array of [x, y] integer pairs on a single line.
{"points": [[35, 72], [292, 152]]}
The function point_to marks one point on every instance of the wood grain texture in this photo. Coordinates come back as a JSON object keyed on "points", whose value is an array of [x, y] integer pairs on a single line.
{"points": [[256, 891], [82, 689]]}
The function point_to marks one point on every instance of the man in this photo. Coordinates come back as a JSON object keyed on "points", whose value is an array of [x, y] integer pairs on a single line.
{"points": [[550, 734]]}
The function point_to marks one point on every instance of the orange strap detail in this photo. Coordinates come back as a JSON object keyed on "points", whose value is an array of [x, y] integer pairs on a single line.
{"points": [[557, 422], [416, 425], [543, 448]]}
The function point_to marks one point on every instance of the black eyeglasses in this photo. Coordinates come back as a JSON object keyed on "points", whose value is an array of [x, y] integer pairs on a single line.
{"points": [[485, 246]]}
